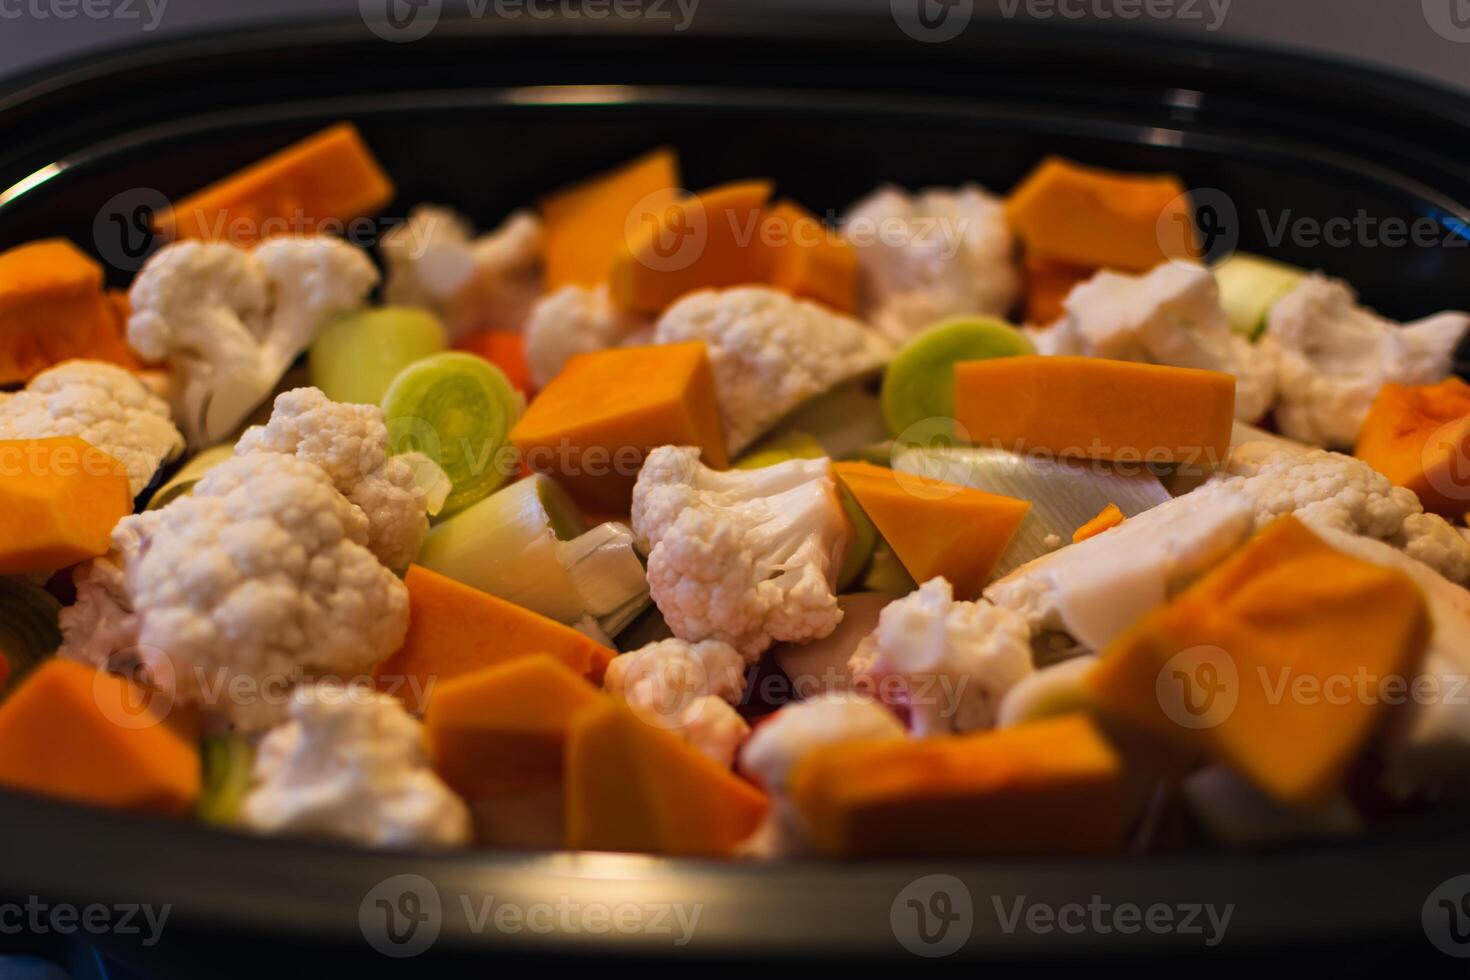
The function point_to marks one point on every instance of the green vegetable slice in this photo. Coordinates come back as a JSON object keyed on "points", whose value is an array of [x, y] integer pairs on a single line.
{"points": [[182, 482], [28, 627], [919, 384], [356, 356], [227, 760], [841, 421], [1250, 285], [885, 573], [458, 410]]}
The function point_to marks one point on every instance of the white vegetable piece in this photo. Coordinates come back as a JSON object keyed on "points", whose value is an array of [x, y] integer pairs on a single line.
{"points": [[1050, 691], [230, 321], [769, 352], [103, 405], [570, 321], [351, 765], [1331, 356], [688, 689], [436, 263], [259, 578], [926, 256], [954, 661], [744, 556]]}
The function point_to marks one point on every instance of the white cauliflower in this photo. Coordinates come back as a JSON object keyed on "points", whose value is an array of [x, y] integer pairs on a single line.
{"points": [[770, 352], [748, 557], [435, 262], [350, 443], [1171, 315], [687, 688], [777, 746], [230, 321], [1331, 356], [351, 765], [571, 321], [103, 405], [954, 661], [259, 578], [926, 256]]}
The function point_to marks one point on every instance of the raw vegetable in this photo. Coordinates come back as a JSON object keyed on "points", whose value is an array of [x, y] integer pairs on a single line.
{"points": [[325, 180], [936, 528], [458, 410], [807, 259], [1250, 285], [1109, 517], [28, 629], [1419, 437], [1095, 408], [89, 737], [778, 449], [506, 349], [1286, 608], [357, 355], [885, 573], [1101, 218], [593, 425], [634, 787], [189, 474], [585, 225], [606, 573], [1026, 786], [1047, 284], [501, 731], [843, 421], [702, 241], [454, 629], [1060, 689], [919, 385], [227, 761], [59, 501]]}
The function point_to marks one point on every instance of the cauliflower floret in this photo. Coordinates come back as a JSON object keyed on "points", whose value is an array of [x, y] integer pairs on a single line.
{"points": [[571, 321], [101, 404], [925, 256], [471, 283], [777, 746], [259, 578], [1172, 315], [1331, 356], [954, 660], [230, 321], [687, 688], [746, 556], [350, 442], [351, 765], [1333, 491], [769, 352]]}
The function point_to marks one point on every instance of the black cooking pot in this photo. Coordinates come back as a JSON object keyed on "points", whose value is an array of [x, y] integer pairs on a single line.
{"points": [[486, 116]]}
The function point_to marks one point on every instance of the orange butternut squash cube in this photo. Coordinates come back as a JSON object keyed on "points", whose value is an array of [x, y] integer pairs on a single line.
{"points": [[1107, 518], [806, 258], [60, 499], [1098, 218], [1051, 787], [633, 787], [325, 180], [75, 733], [1047, 284], [1274, 663], [1093, 408], [52, 308], [591, 427], [501, 731], [703, 241], [454, 629], [586, 225], [1419, 437], [936, 528]]}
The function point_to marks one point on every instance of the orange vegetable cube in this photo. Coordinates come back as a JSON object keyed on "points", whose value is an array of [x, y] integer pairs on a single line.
{"points": [[1419, 437], [52, 308], [59, 501], [1048, 282], [1107, 518], [806, 258]]}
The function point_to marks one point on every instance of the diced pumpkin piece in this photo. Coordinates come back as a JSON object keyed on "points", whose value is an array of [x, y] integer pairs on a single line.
{"points": [[807, 259], [59, 501], [501, 731], [633, 787], [72, 732], [703, 241], [1272, 662], [592, 426], [586, 225], [52, 308], [329, 178], [1109, 517], [1047, 284], [1091, 217], [1419, 437], [936, 528], [454, 629], [1095, 408], [1051, 787]]}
